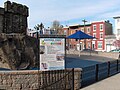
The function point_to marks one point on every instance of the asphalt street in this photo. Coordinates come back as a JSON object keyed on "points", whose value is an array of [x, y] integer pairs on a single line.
{"points": [[74, 61]]}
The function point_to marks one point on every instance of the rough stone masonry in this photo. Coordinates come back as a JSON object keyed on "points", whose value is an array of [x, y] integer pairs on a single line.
{"points": [[13, 18], [17, 50]]}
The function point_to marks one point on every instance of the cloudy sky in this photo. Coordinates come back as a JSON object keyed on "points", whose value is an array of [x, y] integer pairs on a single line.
{"points": [[69, 12]]}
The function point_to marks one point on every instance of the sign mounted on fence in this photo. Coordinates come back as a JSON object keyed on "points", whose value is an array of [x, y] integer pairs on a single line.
{"points": [[52, 53]]}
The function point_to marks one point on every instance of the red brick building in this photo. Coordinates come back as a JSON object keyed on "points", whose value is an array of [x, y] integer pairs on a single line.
{"points": [[96, 29]]}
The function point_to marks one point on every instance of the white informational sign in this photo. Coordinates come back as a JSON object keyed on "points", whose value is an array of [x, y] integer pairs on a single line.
{"points": [[52, 53]]}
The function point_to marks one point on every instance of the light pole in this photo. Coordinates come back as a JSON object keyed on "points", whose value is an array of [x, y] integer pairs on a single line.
{"points": [[41, 26], [68, 39], [84, 21], [38, 57]]}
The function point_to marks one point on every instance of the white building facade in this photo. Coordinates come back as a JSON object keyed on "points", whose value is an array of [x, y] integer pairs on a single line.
{"points": [[33, 33], [109, 39], [117, 27]]}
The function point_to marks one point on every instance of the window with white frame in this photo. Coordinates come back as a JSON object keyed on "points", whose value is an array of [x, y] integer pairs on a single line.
{"points": [[82, 29], [94, 34], [94, 27], [100, 44], [101, 27], [101, 35]]}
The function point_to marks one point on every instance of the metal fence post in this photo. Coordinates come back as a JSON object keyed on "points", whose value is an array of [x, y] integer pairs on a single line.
{"points": [[96, 72], [73, 79], [108, 68], [117, 66]]}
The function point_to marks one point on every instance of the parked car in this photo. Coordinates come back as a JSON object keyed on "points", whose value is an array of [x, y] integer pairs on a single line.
{"points": [[115, 50]]}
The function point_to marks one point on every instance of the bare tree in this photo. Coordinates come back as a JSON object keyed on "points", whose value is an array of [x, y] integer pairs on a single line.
{"points": [[39, 27], [58, 29], [117, 44]]}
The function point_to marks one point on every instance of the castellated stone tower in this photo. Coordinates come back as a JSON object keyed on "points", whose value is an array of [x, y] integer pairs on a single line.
{"points": [[17, 50], [13, 18]]}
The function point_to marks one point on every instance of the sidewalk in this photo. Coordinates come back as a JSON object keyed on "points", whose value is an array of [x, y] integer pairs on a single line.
{"points": [[111, 83]]}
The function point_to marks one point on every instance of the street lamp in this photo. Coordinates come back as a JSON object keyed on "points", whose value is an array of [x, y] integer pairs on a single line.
{"points": [[68, 35], [38, 57], [84, 21], [41, 26]]}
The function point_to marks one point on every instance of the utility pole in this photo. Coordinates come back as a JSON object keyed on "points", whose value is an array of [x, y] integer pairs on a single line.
{"points": [[38, 57], [68, 39], [84, 21], [67, 30]]}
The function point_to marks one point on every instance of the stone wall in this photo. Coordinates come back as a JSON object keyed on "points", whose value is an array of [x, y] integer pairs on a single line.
{"points": [[77, 78], [1, 19], [28, 80]]}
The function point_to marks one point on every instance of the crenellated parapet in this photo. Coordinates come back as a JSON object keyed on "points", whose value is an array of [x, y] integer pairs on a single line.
{"points": [[16, 8], [13, 18]]}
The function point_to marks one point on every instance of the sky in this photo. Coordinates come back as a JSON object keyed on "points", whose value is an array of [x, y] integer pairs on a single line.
{"points": [[69, 12]]}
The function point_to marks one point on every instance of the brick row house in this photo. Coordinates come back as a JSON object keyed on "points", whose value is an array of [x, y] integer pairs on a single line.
{"points": [[97, 29]]}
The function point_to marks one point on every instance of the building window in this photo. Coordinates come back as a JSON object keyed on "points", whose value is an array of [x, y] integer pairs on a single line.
{"points": [[82, 30], [101, 35], [118, 31], [101, 27], [99, 44], [88, 30], [94, 27], [94, 34]]}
